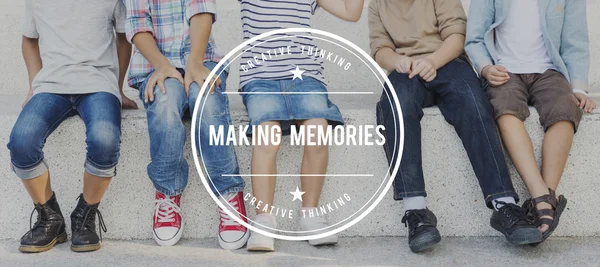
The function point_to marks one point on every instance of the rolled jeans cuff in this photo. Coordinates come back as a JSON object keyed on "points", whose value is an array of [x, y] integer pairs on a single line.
{"points": [[105, 172], [401, 195], [30, 173], [229, 190]]}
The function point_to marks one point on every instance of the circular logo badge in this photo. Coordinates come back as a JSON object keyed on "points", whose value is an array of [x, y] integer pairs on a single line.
{"points": [[321, 69]]}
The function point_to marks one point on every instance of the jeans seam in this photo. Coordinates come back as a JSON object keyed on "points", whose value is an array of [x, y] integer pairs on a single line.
{"points": [[386, 146], [483, 127]]}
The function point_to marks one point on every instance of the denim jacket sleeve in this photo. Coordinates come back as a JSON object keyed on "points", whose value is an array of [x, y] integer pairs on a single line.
{"points": [[574, 48], [481, 18]]}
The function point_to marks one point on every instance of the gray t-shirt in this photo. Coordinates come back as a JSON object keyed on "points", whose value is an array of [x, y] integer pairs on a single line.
{"points": [[77, 44]]}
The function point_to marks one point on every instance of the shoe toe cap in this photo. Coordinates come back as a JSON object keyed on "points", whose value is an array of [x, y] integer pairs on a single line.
{"points": [[166, 233]]}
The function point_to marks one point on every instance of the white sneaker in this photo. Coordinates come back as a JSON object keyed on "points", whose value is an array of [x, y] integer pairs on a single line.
{"points": [[318, 222], [233, 235], [258, 242], [168, 224]]}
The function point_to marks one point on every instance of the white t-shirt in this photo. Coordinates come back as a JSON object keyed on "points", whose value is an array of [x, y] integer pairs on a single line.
{"points": [[77, 44], [520, 41]]}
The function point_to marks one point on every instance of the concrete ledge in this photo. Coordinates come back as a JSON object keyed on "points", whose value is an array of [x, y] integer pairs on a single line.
{"points": [[453, 189]]}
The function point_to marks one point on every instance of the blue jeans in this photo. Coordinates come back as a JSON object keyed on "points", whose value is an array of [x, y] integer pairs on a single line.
{"points": [[101, 113], [168, 169], [458, 93]]}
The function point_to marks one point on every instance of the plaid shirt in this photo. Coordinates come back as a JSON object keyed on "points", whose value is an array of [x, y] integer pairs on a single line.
{"points": [[169, 22]]}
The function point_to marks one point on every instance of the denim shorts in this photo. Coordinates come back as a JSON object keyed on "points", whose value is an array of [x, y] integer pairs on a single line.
{"points": [[288, 101]]}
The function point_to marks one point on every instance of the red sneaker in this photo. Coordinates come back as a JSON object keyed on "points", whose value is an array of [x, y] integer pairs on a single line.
{"points": [[233, 235], [168, 224]]}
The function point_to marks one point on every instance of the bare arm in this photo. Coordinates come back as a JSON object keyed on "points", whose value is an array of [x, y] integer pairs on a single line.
{"points": [[349, 10], [31, 55], [196, 72], [144, 42], [33, 62], [450, 49], [200, 29], [124, 55]]}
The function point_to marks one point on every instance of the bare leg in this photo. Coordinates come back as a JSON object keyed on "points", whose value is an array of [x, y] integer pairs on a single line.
{"points": [[517, 142], [264, 161], [555, 152], [314, 161], [39, 188], [94, 188]]}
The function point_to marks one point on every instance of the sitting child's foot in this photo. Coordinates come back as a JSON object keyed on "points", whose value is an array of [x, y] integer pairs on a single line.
{"points": [[422, 229], [259, 242], [168, 224], [83, 226], [233, 235], [307, 223], [48, 230], [512, 221]]}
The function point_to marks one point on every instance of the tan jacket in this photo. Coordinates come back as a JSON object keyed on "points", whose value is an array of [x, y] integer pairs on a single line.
{"points": [[414, 28]]}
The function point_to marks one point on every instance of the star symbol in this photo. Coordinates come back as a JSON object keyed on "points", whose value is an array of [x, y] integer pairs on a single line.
{"points": [[297, 194], [297, 73]]}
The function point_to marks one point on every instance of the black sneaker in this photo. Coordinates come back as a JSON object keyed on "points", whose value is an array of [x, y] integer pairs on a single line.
{"points": [[47, 231], [512, 221], [422, 231], [83, 225]]}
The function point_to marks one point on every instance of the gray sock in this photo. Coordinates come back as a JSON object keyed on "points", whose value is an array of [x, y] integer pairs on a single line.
{"points": [[414, 203]]}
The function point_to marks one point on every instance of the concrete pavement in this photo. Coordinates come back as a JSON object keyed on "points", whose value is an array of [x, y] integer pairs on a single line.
{"points": [[358, 251]]}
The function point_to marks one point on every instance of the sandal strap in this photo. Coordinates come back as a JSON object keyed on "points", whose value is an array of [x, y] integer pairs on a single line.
{"points": [[549, 198], [545, 212], [542, 221]]}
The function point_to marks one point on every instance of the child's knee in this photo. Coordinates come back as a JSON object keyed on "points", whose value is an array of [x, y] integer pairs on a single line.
{"points": [[25, 146], [267, 149], [103, 144]]}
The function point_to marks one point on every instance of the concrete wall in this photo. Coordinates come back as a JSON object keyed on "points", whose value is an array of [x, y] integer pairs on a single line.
{"points": [[454, 193]]}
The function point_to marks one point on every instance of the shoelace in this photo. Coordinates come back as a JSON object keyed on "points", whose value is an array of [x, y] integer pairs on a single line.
{"points": [[38, 221], [514, 213], [88, 221], [165, 209], [413, 218], [226, 220]]}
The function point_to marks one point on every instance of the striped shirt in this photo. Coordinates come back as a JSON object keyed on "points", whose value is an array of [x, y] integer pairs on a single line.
{"points": [[265, 61], [169, 22]]}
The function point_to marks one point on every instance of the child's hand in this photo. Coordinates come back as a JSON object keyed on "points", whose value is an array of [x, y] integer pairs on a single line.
{"points": [[158, 77], [27, 98], [425, 68], [404, 65], [585, 102], [197, 73], [496, 75], [127, 103]]}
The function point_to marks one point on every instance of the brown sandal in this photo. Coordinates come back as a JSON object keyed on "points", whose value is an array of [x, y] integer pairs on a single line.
{"points": [[539, 216]]}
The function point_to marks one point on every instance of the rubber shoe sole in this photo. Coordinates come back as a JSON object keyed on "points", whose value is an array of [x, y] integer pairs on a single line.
{"points": [[325, 241], [169, 242], [261, 249], [62, 238], [86, 248], [521, 236], [425, 242], [234, 245]]}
